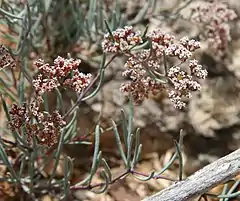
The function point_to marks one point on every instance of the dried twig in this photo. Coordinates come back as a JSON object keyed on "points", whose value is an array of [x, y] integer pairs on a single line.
{"points": [[203, 180]]}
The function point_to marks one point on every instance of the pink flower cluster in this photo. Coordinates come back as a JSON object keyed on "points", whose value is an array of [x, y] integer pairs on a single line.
{"points": [[144, 66], [141, 88], [183, 83], [141, 85], [79, 81], [121, 40], [213, 16], [164, 43], [63, 72], [43, 85], [160, 41], [49, 129], [46, 130], [50, 78], [197, 70], [183, 50], [19, 115], [61, 68]]}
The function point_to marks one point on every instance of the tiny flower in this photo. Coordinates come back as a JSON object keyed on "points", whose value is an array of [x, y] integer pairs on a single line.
{"points": [[123, 45]]}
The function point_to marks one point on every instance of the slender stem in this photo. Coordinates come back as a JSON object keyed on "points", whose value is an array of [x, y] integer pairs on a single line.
{"points": [[165, 63], [15, 144], [10, 14], [121, 176], [14, 78], [81, 97], [154, 177], [86, 90], [182, 7], [89, 187]]}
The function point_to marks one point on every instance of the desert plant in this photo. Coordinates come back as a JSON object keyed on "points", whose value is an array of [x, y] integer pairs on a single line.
{"points": [[37, 130]]}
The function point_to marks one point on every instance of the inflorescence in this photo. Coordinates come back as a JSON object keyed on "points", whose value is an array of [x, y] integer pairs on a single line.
{"points": [[213, 17], [144, 66], [42, 125]]}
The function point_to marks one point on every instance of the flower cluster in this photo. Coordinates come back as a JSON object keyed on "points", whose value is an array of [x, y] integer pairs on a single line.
{"points": [[79, 81], [183, 85], [141, 85], [50, 78], [61, 68], [141, 88], [144, 67], [197, 70], [19, 116], [121, 40], [213, 16], [43, 85], [183, 50], [47, 126], [64, 72], [160, 41], [164, 43], [46, 130]]}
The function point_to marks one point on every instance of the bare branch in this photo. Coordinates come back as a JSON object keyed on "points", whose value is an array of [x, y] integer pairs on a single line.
{"points": [[203, 180]]}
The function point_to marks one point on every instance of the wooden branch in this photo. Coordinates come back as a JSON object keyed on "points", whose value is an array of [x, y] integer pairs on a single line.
{"points": [[203, 180]]}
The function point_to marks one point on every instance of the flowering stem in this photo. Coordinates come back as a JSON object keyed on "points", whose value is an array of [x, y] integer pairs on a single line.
{"points": [[165, 63], [81, 97], [87, 89], [14, 78]]}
